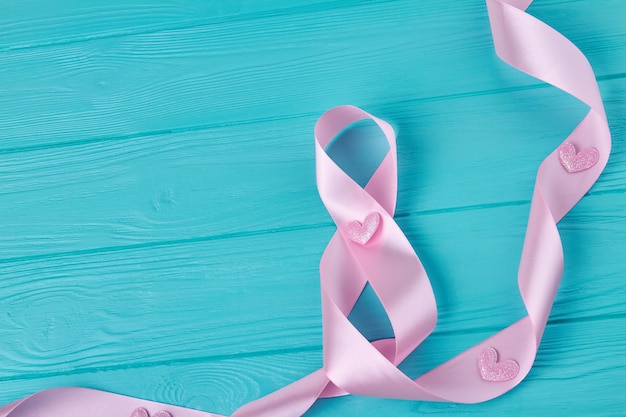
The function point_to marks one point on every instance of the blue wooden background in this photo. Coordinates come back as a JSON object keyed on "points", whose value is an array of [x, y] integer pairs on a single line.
{"points": [[161, 228]]}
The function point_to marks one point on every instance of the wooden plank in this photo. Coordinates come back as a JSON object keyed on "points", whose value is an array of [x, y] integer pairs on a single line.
{"points": [[280, 66], [73, 21], [217, 386], [260, 293], [570, 371], [257, 178], [165, 303]]}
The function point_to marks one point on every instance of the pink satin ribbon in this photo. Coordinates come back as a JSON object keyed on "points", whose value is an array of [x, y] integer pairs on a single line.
{"points": [[369, 247]]}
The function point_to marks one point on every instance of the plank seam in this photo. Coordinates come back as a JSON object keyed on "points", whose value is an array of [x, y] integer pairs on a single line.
{"points": [[269, 352], [194, 23], [260, 232], [200, 128]]}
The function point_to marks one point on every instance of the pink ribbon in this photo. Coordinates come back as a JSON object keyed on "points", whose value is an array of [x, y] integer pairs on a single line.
{"points": [[369, 247]]}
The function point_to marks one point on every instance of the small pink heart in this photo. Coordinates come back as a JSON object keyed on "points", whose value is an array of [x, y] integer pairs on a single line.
{"points": [[142, 412], [576, 162], [492, 370], [361, 233]]}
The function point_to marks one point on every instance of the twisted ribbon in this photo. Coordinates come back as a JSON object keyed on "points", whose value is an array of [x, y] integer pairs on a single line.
{"points": [[369, 247]]}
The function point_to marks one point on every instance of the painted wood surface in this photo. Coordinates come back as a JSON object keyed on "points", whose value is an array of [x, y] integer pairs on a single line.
{"points": [[161, 229]]}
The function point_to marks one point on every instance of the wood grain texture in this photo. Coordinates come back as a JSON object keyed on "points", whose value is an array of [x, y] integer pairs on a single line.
{"points": [[161, 229], [33, 24], [181, 79]]}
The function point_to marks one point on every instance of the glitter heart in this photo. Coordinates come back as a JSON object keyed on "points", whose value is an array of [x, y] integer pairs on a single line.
{"points": [[492, 370], [576, 162], [361, 233], [142, 412]]}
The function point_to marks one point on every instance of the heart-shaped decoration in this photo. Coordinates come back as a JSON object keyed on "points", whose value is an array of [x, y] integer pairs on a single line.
{"points": [[142, 412], [361, 233], [492, 370], [576, 162]]}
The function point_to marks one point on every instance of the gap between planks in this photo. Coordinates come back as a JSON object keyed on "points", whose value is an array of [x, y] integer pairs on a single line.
{"points": [[260, 232], [196, 23], [409, 366], [200, 128]]}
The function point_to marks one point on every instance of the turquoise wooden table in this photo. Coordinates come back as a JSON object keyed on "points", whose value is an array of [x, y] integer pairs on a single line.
{"points": [[161, 228]]}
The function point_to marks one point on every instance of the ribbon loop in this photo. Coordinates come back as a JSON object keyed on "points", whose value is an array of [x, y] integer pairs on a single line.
{"points": [[343, 197], [387, 262]]}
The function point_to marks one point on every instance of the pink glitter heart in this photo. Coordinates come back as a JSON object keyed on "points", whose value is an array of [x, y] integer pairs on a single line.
{"points": [[576, 162], [362, 232], [142, 412], [492, 370]]}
